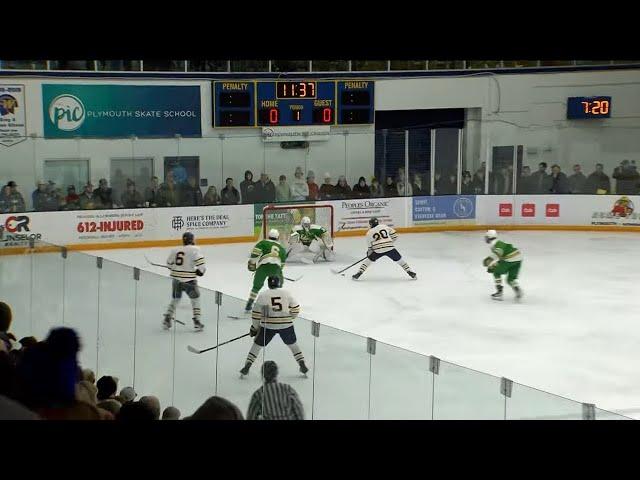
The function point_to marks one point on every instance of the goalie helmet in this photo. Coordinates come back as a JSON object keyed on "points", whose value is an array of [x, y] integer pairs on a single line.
{"points": [[490, 235], [274, 234], [188, 238], [273, 282], [305, 222], [373, 222]]}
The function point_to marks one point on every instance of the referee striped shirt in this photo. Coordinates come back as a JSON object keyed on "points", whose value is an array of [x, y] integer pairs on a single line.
{"points": [[275, 401]]}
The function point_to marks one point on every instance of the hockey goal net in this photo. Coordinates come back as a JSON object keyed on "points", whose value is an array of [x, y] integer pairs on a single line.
{"points": [[285, 217]]}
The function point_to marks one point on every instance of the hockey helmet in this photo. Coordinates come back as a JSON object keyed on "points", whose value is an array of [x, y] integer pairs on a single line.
{"points": [[373, 222], [273, 282], [188, 238], [490, 235], [305, 222], [274, 234]]}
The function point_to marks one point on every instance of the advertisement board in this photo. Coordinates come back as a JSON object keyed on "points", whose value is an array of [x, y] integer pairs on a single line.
{"points": [[450, 209], [13, 116]]}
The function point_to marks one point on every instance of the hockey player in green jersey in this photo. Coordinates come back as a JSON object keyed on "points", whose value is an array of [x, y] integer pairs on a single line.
{"points": [[267, 259], [308, 237], [506, 260]]}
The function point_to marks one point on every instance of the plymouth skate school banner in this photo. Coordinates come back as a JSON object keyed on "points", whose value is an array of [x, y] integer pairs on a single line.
{"points": [[13, 117], [105, 111], [451, 209]]}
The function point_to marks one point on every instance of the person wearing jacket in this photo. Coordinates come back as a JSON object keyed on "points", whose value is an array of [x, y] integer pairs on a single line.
{"points": [[361, 189], [314, 189], [299, 188], [247, 188], [559, 181], [598, 182], [230, 194], [342, 190]]}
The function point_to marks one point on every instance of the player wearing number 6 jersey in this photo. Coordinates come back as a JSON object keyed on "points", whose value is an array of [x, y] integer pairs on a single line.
{"points": [[186, 264], [380, 242], [267, 259], [273, 314]]}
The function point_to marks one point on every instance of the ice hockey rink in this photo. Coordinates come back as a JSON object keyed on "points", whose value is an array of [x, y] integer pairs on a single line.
{"points": [[575, 333]]}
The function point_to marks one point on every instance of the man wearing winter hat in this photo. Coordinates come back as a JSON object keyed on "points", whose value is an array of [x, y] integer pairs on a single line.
{"points": [[274, 400]]}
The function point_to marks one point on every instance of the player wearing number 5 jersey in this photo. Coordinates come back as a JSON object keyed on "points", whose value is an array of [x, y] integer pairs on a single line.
{"points": [[186, 264], [267, 259], [273, 314], [380, 242]]}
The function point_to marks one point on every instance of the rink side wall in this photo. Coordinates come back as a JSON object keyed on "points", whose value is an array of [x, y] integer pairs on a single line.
{"points": [[159, 227]]}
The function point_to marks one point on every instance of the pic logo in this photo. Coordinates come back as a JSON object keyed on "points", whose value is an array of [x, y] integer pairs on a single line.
{"points": [[18, 224], [622, 208], [8, 105], [177, 223], [67, 112]]}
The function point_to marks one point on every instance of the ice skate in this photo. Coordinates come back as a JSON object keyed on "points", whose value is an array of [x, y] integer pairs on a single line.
{"points": [[413, 275], [197, 325], [498, 294], [303, 367], [245, 370], [356, 276], [518, 292], [166, 323]]}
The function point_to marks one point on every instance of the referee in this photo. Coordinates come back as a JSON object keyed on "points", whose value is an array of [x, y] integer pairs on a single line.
{"points": [[274, 400]]}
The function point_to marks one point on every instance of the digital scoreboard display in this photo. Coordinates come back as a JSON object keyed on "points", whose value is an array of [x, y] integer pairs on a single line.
{"points": [[257, 103], [582, 108]]}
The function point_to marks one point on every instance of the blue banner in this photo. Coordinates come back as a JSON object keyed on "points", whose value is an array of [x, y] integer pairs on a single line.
{"points": [[451, 207], [108, 111]]}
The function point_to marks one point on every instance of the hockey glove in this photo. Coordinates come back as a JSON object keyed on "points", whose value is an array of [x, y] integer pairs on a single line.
{"points": [[487, 261], [253, 331], [251, 266]]}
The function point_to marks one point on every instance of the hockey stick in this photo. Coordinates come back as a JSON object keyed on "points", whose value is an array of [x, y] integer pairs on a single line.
{"points": [[195, 350], [347, 268], [155, 264]]}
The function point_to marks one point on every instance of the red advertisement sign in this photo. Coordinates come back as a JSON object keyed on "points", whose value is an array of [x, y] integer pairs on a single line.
{"points": [[528, 209], [505, 210], [552, 210]]}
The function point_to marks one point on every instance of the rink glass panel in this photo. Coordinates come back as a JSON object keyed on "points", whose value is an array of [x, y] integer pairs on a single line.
{"points": [[16, 279], [527, 403], [48, 273]]}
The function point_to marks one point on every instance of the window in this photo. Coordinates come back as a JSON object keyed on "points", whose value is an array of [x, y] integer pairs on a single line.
{"points": [[119, 65], [249, 65], [483, 64], [207, 65], [67, 172], [72, 65], [369, 65], [289, 65], [330, 65], [23, 64], [520, 63], [446, 64], [140, 170], [163, 65], [408, 64]]}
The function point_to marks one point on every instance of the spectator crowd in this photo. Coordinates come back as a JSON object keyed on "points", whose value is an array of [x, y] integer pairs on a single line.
{"points": [[43, 380], [173, 193]]}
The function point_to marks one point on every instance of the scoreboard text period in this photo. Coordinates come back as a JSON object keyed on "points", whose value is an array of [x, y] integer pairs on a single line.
{"points": [[256, 103]]}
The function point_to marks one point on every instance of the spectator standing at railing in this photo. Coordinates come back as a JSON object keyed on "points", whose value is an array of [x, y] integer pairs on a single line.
{"points": [[40, 196], [361, 189], [417, 187], [88, 199], [274, 400], [577, 180], [118, 184], [191, 193], [54, 200], [541, 181], [559, 181], [5, 203], [598, 182], [299, 188], [524, 182], [247, 188], [327, 190], [152, 193], [16, 201], [479, 180], [342, 189], [131, 198], [390, 189], [104, 194], [169, 192], [375, 189], [283, 190], [466, 187], [211, 197], [314, 189], [264, 190], [72, 200], [627, 178], [230, 194]]}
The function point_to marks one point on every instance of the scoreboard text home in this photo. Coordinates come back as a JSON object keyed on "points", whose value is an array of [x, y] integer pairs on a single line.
{"points": [[256, 103]]}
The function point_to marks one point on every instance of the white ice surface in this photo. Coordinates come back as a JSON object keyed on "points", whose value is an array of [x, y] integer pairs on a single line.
{"points": [[575, 333]]}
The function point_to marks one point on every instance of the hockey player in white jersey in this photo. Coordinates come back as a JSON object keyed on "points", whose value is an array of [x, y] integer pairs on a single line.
{"points": [[380, 243], [312, 239], [273, 314], [186, 264]]}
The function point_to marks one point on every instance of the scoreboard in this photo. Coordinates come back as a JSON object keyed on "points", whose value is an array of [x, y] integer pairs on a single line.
{"points": [[256, 103]]}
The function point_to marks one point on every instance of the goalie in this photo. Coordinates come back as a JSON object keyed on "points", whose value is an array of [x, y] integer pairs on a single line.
{"points": [[310, 240]]}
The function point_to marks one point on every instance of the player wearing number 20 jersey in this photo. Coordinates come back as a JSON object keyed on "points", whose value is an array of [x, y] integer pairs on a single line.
{"points": [[273, 314], [186, 264], [380, 243]]}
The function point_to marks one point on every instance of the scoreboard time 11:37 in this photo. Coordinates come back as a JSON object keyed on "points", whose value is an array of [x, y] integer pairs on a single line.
{"points": [[255, 103]]}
